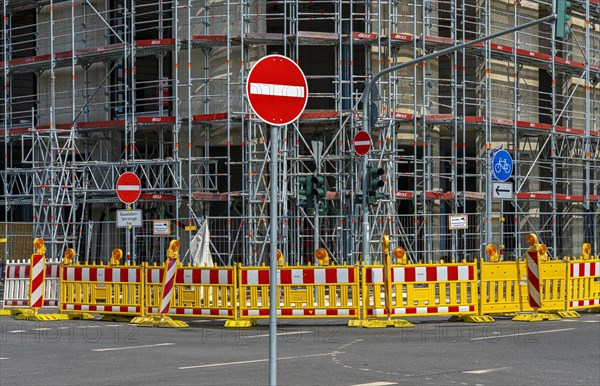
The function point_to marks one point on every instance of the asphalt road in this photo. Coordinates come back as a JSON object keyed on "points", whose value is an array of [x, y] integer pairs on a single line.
{"points": [[566, 352]]}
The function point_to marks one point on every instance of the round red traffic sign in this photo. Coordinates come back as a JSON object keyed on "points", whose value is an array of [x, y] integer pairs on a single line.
{"points": [[277, 90], [362, 142], [129, 188]]}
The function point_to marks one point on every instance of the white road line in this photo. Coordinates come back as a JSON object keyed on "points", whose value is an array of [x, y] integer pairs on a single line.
{"points": [[522, 333], [258, 361], [249, 336], [41, 329], [3, 359], [132, 347], [485, 371], [376, 384], [112, 325], [16, 331], [591, 321]]}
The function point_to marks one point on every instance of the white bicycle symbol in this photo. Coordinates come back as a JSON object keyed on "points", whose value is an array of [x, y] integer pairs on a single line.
{"points": [[502, 165]]}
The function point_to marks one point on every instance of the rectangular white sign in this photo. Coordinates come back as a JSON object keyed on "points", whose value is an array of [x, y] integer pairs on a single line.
{"points": [[129, 218], [458, 221], [161, 227], [502, 190]]}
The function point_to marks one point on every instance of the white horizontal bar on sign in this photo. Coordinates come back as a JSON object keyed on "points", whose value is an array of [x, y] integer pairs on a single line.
{"points": [[282, 90], [128, 187], [361, 143]]}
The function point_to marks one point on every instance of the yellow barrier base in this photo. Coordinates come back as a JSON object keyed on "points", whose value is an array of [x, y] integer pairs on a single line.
{"points": [[16, 311], [80, 316], [356, 323], [386, 323], [117, 318], [594, 310], [240, 323], [158, 321], [472, 319], [42, 317], [506, 315], [536, 317], [569, 314]]}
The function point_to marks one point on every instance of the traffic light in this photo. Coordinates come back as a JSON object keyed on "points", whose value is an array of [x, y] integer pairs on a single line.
{"points": [[319, 190], [306, 190], [562, 29], [374, 183]]}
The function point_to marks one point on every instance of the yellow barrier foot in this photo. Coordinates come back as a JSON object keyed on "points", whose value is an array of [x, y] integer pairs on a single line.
{"points": [[472, 319], [141, 319], [506, 315], [356, 323], [594, 310], [569, 314], [386, 323], [164, 322], [117, 318], [5, 313], [240, 323], [16, 311], [80, 316], [42, 317], [536, 317]]}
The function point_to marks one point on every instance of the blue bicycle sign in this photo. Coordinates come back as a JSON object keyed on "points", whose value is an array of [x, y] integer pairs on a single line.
{"points": [[502, 165]]}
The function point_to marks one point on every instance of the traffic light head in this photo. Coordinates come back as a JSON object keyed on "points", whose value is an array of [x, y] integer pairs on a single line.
{"points": [[374, 176], [562, 29], [319, 186]]}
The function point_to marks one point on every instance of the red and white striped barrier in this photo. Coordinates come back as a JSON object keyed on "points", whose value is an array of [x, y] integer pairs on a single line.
{"points": [[305, 292], [101, 289], [16, 286], [36, 284], [584, 285], [533, 280], [168, 286], [422, 290], [195, 292]]}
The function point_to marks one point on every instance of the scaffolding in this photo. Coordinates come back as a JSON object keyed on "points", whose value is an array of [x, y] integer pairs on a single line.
{"points": [[96, 88]]}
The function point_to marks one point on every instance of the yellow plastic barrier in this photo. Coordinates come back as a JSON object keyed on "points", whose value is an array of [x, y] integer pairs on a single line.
{"points": [[503, 287], [206, 292], [305, 292], [101, 289], [583, 288], [421, 290]]}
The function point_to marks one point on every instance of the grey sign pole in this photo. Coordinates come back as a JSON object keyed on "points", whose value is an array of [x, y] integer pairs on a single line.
{"points": [[273, 296], [366, 101]]}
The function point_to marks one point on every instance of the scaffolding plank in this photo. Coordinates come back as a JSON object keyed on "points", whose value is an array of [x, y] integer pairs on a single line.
{"points": [[315, 38], [399, 39]]}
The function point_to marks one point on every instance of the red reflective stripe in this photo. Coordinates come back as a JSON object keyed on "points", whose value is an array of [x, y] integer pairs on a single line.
{"points": [[453, 273], [582, 269], [230, 276], [453, 309], [331, 275], [471, 272], [308, 276], [409, 274], [431, 273], [285, 276], [263, 277], [196, 277], [411, 310], [77, 274], [214, 276], [351, 275]]}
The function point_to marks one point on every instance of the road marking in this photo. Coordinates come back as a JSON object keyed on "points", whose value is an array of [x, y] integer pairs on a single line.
{"points": [[376, 384], [522, 333], [591, 321], [258, 361], [278, 334], [16, 331], [132, 347], [41, 329], [112, 325], [3, 359], [485, 371]]}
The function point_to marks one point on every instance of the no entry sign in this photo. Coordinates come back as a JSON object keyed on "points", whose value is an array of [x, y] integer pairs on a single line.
{"points": [[362, 143], [129, 188], [277, 90]]}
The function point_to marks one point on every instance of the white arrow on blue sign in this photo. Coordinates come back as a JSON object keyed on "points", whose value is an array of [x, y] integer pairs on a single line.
{"points": [[502, 165]]}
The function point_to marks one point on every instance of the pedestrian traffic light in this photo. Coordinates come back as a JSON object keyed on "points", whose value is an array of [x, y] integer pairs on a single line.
{"points": [[374, 182], [563, 8], [319, 190], [306, 190]]}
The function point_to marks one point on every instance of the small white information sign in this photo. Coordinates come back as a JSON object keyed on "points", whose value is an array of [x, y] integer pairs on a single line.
{"points": [[502, 190], [129, 218], [458, 221], [161, 227]]}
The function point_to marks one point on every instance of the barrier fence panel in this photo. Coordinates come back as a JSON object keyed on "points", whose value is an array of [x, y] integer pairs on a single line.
{"points": [[324, 292], [584, 284], [207, 292], [503, 287], [16, 286], [421, 290], [102, 289]]}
